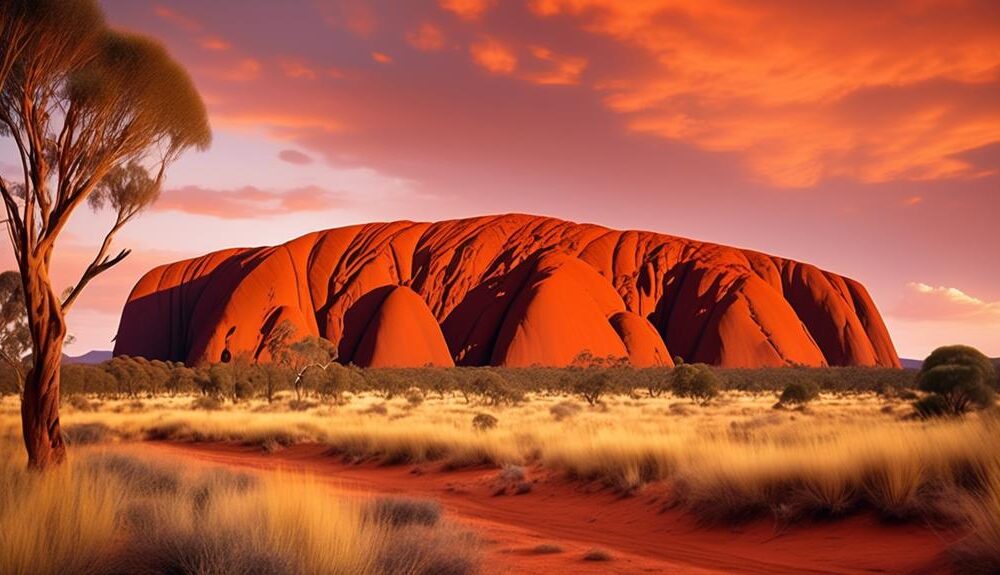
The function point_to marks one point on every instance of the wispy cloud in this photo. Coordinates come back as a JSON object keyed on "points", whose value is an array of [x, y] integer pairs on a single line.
{"points": [[247, 202], [560, 69], [215, 43], [295, 157], [427, 37], [923, 302], [177, 18], [467, 9]]}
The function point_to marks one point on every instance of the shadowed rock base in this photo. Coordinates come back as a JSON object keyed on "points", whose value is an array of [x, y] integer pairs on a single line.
{"points": [[513, 290]]}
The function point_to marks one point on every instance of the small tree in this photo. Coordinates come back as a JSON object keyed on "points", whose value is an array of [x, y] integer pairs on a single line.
{"points": [[220, 381], [334, 381], [181, 379], [656, 385], [495, 390], [592, 387], [96, 116], [309, 353], [696, 382], [272, 378], [956, 388], [799, 393]]}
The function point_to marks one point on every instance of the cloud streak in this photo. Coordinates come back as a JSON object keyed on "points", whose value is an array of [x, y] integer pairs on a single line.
{"points": [[295, 157], [247, 202]]}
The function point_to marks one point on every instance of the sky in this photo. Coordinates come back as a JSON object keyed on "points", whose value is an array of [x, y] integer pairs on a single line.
{"points": [[863, 137]]}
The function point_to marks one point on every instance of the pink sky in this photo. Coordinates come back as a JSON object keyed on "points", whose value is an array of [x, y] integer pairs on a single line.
{"points": [[864, 138]]}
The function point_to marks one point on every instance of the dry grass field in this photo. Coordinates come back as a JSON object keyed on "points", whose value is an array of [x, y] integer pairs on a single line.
{"points": [[735, 460]]}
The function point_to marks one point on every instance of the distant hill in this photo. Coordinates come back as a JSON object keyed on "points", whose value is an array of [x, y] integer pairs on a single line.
{"points": [[93, 356]]}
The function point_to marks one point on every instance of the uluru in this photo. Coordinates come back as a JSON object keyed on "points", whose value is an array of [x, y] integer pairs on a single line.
{"points": [[507, 290]]}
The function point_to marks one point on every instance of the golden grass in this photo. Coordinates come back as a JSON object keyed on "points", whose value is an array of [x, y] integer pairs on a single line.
{"points": [[733, 460], [980, 551], [108, 512]]}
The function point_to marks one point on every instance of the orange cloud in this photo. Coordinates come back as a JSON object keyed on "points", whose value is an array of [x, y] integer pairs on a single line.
{"points": [[247, 202], [427, 37], [467, 9], [381, 58], [295, 157], [493, 55], [215, 43], [800, 91], [245, 70], [176, 18], [298, 69], [923, 302], [562, 70]]}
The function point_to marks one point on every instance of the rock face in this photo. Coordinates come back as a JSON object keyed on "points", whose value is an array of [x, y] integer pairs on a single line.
{"points": [[513, 290]]}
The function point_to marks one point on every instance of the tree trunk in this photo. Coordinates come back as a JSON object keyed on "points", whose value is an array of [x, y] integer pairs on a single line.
{"points": [[40, 401]]}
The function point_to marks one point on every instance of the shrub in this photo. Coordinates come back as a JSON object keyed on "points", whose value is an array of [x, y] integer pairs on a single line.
{"points": [[137, 475], [402, 511], [418, 550], [966, 356], [300, 405], [564, 410], [242, 390], [657, 385], [546, 549], [414, 397], [931, 406], [208, 402], [80, 403], [799, 393], [597, 555], [376, 409], [961, 376], [86, 433], [494, 390], [593, 387], [484, 421], [696, 382]]}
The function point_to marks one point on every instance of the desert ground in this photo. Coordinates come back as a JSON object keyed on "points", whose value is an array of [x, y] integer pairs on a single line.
{"points": [[365, 483]]}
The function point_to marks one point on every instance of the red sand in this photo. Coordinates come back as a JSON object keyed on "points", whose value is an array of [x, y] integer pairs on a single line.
{"points": [[638, 533]]}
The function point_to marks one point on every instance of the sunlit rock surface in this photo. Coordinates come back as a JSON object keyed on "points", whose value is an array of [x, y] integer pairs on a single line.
{"points": [[514, 290]]}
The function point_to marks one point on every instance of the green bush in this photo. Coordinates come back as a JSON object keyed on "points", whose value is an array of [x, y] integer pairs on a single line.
{"points": [[483, 421], [960, 378], [593, 387], [799, 393], [932, 406], [494, 390], [694, 381]]}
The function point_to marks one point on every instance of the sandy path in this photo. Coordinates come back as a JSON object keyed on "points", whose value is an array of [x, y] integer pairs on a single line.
{"points": [[641, 537]]}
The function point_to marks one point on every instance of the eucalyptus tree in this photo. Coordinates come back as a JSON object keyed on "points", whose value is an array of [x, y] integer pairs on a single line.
{"points": [[96, 116]]}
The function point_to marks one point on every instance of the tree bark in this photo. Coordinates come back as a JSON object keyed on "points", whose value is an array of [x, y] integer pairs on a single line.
{"points": [[40, 401]]}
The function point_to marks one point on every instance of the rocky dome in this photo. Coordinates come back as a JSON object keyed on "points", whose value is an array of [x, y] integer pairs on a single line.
{"points": [[512, 290]]}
